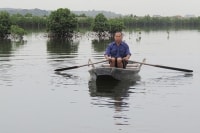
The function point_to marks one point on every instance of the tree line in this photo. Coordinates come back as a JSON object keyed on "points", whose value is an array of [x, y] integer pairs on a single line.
{"points": [[62, 23]]}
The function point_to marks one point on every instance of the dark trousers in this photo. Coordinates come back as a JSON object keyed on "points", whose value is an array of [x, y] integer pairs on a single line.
{"points": [[123, 62]]}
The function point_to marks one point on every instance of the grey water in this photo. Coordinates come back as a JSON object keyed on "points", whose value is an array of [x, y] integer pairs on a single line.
{"points": [[36, 99]]}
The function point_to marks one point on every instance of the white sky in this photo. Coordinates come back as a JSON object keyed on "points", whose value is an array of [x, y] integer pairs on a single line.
{"points": [[135, 7]]}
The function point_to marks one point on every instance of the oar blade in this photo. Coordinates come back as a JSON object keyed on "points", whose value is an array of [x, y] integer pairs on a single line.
{"points": [[174, 68], [166, 67], [67, 68]]}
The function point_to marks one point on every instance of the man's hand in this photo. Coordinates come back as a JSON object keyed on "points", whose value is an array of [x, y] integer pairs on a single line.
{"points": [[108, 58], [126, 58]]}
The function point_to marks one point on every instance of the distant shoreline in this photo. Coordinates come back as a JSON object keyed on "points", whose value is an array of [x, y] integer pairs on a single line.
{"points": [[89, 13], [40, 12]]}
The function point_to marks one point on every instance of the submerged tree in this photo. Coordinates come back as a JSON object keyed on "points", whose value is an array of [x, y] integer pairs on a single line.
{"points": [[115, 25], [100, 25], [17, 32], [5, 25], [62, 23]]}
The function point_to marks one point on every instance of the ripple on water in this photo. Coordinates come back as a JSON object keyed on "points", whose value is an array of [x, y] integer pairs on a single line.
{"points": [[169, 80], [5, 77]]}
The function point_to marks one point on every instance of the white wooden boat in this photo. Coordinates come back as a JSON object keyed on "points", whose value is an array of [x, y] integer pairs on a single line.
{"points": [[105, 72]]}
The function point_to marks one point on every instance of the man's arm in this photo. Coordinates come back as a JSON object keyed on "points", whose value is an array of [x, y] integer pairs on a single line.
{"points": [[107, 53], [128, 53]]}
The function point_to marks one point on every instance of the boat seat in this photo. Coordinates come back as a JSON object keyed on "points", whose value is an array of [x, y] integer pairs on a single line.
{"points": [[128, 65]]}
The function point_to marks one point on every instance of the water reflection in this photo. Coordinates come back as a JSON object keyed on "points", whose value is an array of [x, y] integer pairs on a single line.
{"points": [[100, 45], [109, 88], [63, 79], [61, 50], [62, 47], [112, 94], [7, 46], [7, 49]]}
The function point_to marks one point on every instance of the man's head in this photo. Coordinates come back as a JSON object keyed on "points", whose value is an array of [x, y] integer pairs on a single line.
{"points": [[118, 37]]}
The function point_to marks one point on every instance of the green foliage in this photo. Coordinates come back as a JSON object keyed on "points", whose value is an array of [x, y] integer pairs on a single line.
{"points": [[61, 23], [100, 25], [158, 21], [29, 21], [85, 22], [28, 15], [17, 32], [5, 25], [115, 25], [82, 15]]}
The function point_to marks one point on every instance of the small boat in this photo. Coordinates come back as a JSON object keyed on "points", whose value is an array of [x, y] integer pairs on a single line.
{"points": [[105, 72]]}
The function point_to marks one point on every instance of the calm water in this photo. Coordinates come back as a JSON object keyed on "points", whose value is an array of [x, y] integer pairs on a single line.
{"points": [[35, 99]]}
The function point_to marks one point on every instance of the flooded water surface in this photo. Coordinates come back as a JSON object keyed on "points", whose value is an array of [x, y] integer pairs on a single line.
{"points": [[36, 99]]}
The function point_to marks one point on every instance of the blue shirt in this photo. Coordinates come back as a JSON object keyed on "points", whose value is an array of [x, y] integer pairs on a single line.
{"points": [[116, 51]]}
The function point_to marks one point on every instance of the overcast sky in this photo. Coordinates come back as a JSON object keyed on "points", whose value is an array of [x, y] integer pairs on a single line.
{"points": [[135, 7]]}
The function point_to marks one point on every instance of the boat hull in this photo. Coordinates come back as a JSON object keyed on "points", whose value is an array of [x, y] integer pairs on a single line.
{"points": [[107, 73]]}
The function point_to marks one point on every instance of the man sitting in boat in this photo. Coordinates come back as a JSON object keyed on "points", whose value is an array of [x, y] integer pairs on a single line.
{"points": [[117, 52]]}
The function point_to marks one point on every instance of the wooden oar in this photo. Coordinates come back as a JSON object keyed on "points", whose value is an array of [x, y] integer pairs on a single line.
{"points": [[74, 67], [165, 67]]}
